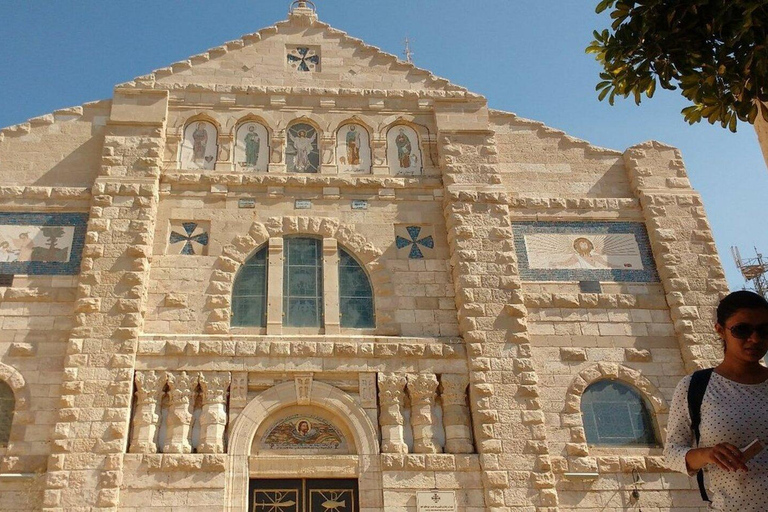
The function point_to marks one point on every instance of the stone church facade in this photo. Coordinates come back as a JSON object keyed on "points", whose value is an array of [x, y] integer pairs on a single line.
{"points": [[294, 273]]}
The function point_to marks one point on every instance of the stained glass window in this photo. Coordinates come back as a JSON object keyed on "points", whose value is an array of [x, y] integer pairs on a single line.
{"points": [[355, 293], [615, 414], [302, 283], [7, 404], [249, 294]]}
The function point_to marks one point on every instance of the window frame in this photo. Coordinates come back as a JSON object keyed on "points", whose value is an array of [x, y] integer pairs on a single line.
{"points": [[647, 413]]}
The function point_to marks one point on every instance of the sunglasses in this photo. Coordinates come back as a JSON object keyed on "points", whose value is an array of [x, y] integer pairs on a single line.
{"points": [[744, 331]]}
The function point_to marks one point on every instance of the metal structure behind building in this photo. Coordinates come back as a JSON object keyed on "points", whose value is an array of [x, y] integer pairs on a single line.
{"points": [[754, 271]]}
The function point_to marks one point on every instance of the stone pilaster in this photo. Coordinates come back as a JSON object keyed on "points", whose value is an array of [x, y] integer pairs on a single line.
{"points": [[456, 419], [213, 419], [422, 389], [391, 389], [331, 286], [149, 391], [181, 391], [91, 434], [683, 246], [275, 286], [504, 395]]}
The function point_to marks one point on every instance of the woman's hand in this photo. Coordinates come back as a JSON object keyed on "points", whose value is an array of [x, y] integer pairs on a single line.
{"points": [[724, 455]]}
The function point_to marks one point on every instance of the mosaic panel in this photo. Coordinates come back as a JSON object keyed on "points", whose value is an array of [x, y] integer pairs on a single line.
{"points": [[200, 146], [252, 147], [189, 238], [303, 432], [353, 149], [304, 58], [41, 243], [403, 151], [302, 153], [584, 251], [414, 242]]}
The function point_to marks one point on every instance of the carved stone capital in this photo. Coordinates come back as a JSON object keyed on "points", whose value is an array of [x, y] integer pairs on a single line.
{"points": [[181, 386], [453, 388], [149, 386], [214, 386], [391, 388], [422, 388]]}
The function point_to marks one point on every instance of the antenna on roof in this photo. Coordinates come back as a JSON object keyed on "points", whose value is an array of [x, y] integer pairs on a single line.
{"points": [[408, 53]]}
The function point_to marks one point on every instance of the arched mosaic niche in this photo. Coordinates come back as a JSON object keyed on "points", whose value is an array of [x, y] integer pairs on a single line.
{"points": [[302, 151], [252, 147], [353, 149], [302, 430], [199, 146], [404, 151]]}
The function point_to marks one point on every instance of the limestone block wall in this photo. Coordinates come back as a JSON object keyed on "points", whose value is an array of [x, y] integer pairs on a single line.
{"points": [[541, 162], [415, 298], [58, 149]]}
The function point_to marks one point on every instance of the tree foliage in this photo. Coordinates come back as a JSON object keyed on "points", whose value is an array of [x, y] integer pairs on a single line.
{"points": [[714, 51]]}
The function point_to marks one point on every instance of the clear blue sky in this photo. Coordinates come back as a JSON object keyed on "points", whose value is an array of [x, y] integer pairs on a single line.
{"points": [[525, 56]]}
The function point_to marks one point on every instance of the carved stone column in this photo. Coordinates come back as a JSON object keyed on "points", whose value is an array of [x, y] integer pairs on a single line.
{"points": [[276, 163], [456, 419], [422, 389], [391, 389], [379, 154], [149, 390], [213, 419], [181, 390]]}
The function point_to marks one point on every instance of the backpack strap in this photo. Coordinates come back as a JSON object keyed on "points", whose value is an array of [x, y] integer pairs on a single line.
{"points": [[696, 390]]}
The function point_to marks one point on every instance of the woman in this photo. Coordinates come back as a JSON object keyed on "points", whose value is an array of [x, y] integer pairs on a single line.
{"points": [[734, 412]]}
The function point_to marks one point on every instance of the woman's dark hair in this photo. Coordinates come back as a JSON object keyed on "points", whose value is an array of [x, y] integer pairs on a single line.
{"points": [[733, 302]]}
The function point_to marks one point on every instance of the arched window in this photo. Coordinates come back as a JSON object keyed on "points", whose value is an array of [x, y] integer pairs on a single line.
{"points": [[615, 414], [7, 405], [200, 146], [302, 283], [355, 294], [249, 294]]}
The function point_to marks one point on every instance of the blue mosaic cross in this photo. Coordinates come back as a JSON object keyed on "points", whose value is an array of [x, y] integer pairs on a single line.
{"points": [[188, 238], [415, 242], [302, 59]]}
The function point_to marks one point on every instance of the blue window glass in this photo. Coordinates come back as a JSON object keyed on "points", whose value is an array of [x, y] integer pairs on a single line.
{"points": [[615, 414], [302, 283], [7, 404], [355, 294], [249, 294]]}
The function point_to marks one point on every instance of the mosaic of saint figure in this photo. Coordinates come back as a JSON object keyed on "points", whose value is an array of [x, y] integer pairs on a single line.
{"points": [[302, 152], [353, 146], [588, 252], [200, 138], [404, 149], [252, 146]]}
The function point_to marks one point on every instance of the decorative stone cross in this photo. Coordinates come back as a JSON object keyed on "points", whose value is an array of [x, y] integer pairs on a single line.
{"points": [[414, 242], [189, 238]]}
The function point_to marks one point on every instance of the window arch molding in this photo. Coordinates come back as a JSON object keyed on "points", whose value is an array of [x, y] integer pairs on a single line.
{"points": [[14, 380], [616, 372], [218, 296]]}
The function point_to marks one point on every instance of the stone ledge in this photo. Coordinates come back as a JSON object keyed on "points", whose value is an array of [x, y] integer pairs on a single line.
{"points": [[610, 464], [29, 192], [430, 462], [38, 295], [543, 203], [301, 346], [594, 300], [172, 462], [179, 178]]}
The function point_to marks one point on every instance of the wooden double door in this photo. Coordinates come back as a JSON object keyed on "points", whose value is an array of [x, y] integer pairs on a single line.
{"points": [[303, 495]]}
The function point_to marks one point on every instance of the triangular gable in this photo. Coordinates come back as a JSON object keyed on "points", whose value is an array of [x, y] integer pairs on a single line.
{"points": [[260, 60]]}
